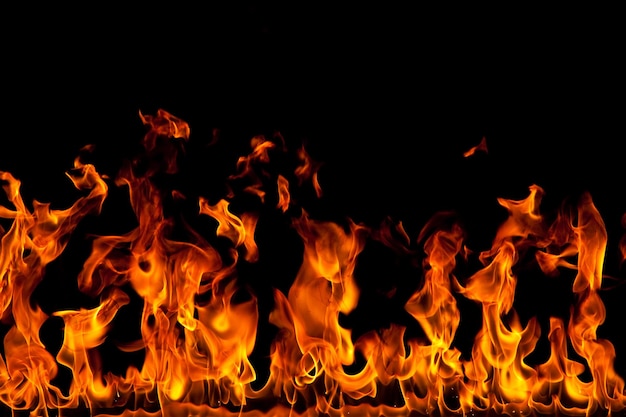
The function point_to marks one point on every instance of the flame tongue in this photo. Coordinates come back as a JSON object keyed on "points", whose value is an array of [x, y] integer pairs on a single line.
{"points": [[589, 312], [198, 319], [34, 240]]}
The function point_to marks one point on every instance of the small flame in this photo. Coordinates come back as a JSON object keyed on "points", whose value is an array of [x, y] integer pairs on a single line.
{"points": [[481, 147], [239, 231], [308, 170], [247, 166], [622, 243]]}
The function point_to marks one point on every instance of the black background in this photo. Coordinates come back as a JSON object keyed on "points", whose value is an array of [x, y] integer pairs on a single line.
{"points": [[388, 99]]}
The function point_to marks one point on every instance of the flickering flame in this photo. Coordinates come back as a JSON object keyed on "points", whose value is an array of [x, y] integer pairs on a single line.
{"points": [[199, 322], [622, 242], [481, 147], [284, 198]]}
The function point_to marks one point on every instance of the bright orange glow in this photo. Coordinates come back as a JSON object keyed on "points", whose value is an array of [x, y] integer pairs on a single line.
{"points": [[200, 322]]}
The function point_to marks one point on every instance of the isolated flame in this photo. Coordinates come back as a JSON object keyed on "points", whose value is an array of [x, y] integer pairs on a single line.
{"points": [[199, 321], [481, 147]]}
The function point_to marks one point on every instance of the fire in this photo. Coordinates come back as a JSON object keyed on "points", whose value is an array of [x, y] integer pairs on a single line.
{"points": [[481, 147], [200, 322]]}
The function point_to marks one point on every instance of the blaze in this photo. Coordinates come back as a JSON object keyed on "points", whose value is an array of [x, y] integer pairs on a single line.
{"points": [[184, 282]]}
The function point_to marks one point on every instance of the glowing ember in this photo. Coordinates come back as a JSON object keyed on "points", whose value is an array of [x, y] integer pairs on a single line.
{"points": [[199, 322]]}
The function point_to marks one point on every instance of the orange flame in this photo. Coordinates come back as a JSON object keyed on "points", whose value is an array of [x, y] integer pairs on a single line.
{"points": [[312, 345], [246, 166], [284, 198], [199, 321], [481, 147], [33, 241], [308, 170]]}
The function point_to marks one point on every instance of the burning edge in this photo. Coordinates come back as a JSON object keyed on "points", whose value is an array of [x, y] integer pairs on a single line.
{"points": [[148, 297]]}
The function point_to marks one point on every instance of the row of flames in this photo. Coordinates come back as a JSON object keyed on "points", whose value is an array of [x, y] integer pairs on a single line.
{"points": [[197, 335]]}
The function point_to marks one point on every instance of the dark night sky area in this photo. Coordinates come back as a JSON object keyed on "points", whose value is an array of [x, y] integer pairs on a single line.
{"points": [[388, 100]]}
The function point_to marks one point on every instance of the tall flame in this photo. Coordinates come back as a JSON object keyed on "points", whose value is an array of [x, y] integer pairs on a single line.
{"points": [[35, 239]]}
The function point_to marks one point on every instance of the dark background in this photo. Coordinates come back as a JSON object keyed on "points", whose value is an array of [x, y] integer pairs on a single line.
{"points": [[388, 99]]}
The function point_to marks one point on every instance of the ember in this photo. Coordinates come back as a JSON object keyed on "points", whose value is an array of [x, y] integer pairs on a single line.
{"points": [[249, 298]]}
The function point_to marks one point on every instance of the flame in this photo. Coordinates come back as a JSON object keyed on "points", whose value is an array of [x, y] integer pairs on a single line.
{"points": [[312, 345], [589, 313], [622, 242], [481, 147], [284, 198], [308, 170], [84, 331], [239, 231], [247, 166], [35, 239], [199, 322], [438, 366]]}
